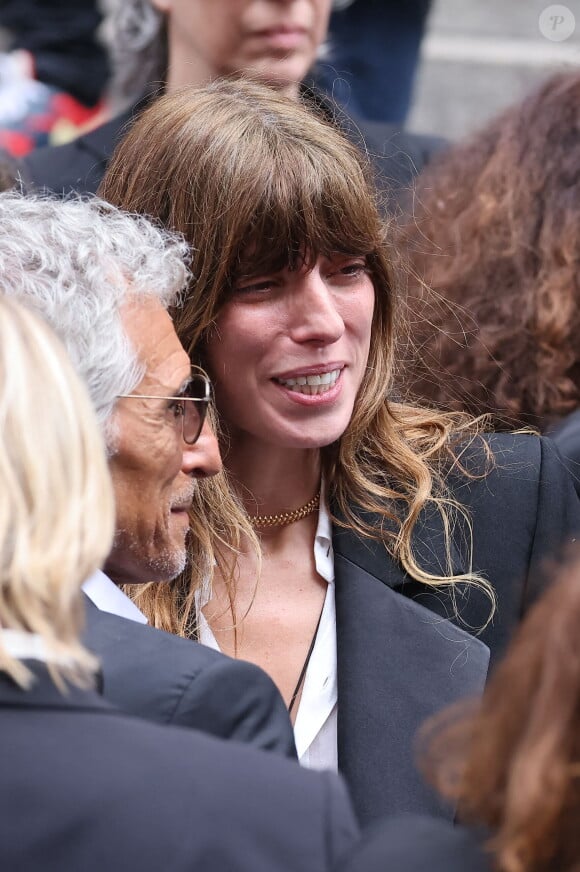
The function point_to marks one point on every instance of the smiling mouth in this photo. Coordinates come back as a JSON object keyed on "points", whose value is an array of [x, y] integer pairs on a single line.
{"points": [[311, 385]]}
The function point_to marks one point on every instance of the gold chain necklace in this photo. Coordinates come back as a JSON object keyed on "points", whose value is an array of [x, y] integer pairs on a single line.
{"points": [[285, 518]]}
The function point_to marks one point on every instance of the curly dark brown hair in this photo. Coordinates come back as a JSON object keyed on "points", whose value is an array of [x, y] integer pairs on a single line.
{"points": [[496, 236]]}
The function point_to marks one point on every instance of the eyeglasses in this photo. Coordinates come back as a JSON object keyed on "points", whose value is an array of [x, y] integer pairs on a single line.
{"points": [[190, 407]]}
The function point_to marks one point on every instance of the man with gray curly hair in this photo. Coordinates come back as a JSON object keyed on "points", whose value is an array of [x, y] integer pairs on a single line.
{"points": [[103, 280]]}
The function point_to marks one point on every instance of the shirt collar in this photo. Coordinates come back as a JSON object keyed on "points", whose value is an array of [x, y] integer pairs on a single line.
{"points": [[323, 551], [24, 646], [107, 597]]}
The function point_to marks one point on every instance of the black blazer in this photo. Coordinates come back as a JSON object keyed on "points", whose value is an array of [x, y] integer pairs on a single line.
{"points": [[406, 650], [418, 844], [85, 788], [566, 435], [80, 165], [170, 680]]}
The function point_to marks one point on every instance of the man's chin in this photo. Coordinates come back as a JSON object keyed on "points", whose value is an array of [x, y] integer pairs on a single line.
{"points": [[167, 568], [159, 569]]}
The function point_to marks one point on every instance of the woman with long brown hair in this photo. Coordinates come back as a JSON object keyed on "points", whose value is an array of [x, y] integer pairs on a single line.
{"points": [[373, 539]]}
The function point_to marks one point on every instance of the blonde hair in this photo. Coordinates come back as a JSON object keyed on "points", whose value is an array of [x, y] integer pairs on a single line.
{"points": [[238, 168], [56, 499]]}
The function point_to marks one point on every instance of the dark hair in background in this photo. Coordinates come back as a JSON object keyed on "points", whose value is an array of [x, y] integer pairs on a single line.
{"points": [[496, 236]]}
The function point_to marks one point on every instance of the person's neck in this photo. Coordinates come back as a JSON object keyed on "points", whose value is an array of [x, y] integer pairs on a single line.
{"points": [[270, 479], [187, 73], [183, 73]]}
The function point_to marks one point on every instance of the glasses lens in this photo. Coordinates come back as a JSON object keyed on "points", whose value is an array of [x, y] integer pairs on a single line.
{"points": [[198, 388], [198, 392]]}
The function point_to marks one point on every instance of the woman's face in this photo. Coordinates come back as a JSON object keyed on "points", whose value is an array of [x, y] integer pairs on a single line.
{"points": [[275, 41], [289, 352]]}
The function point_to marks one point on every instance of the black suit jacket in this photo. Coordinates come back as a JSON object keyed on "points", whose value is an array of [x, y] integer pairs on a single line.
{"points": [[566, 435], [418, 844], [169, 680], [80, 165], [85, 788], [406, 650]]}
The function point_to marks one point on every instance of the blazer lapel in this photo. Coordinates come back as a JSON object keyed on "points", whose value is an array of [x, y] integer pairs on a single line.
{"points": [[398, 663]]}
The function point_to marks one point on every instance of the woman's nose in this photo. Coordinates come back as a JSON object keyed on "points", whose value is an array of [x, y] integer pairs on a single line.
{"points": [[315, 314]]}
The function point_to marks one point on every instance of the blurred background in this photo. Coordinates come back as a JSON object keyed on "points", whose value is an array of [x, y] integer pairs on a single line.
{"points": [[478, 56]]}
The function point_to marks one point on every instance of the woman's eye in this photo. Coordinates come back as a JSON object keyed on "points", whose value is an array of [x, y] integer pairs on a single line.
{"points": [[254, 287], [353, 269]]}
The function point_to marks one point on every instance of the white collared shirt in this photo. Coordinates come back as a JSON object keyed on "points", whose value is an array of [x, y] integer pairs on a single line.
{"points": [[315, 730], [30, 646], [24, 646], [107, 597]]}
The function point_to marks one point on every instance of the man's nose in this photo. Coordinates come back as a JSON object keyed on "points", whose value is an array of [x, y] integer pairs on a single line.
{"points": [[202, 459]]}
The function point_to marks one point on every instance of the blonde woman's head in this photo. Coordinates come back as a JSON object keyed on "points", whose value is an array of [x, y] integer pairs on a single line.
{"points": [[56, 500]]}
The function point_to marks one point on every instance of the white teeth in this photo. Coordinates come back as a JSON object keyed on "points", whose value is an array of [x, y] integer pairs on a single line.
{"points": [[311, 384]]}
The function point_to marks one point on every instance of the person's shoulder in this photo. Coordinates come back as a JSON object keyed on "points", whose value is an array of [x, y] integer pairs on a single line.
{"points": [[501, 457], [268, 802], [566, 436], [278, 815], [398, 155], [514, 479], [417, 844], [155, 649], [76, 166], [169, 679], [392, 140], [522, 508]]}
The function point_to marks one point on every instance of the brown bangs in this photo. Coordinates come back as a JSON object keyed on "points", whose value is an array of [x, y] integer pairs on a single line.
{"points": [[293, 235], [307, 198], [255, 182]]}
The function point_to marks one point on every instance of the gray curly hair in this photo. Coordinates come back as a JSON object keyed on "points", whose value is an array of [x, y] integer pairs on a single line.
{"points": [[77, 262]]}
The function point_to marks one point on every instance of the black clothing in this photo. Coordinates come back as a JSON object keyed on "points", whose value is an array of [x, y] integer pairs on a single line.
{"points": [[85, 788], [62, 37], [417, 844], [566, 435], [169, 680], [406, 650]]}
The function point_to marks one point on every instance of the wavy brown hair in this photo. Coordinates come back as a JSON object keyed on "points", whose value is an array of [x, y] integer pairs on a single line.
{"points": [[236, 167], [495, 236], [514, 764]]}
